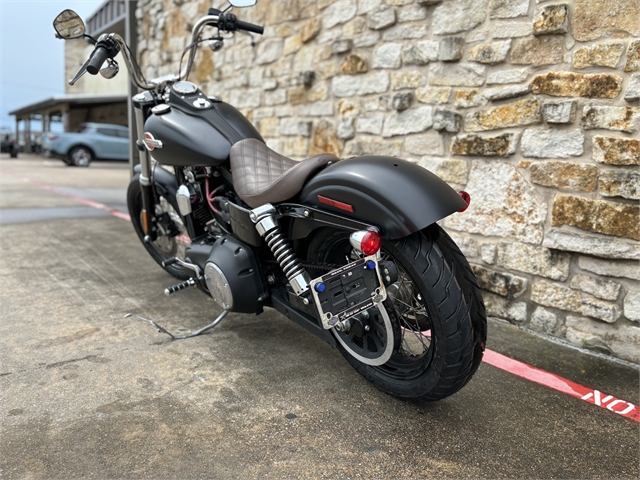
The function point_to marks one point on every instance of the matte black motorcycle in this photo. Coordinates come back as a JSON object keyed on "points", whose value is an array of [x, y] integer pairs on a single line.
{"points": [[349, 249]]}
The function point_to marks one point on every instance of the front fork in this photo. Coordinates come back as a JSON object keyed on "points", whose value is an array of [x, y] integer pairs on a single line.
{"points": [[148, 219]]}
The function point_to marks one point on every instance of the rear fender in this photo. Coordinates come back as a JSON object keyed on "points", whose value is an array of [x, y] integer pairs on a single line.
{"points": [[398, 196]]}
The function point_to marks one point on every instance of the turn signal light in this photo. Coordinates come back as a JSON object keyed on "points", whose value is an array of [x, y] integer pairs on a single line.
{"points": [[466, 197], [367, 242]]}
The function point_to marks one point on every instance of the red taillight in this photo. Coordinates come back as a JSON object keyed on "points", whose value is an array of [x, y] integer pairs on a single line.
{"points": [[466, 197], [52, 137], [371, 243]]}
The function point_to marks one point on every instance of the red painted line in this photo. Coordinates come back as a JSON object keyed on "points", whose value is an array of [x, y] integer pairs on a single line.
{"points": [[90, 203], [515, 367], [589, 395]]}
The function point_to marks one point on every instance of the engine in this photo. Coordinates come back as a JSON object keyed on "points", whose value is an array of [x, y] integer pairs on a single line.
{"points": [[231, 274]]}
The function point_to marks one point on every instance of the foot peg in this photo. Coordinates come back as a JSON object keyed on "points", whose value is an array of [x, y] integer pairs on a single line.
{"points": [[161, 329], [178, 288]]}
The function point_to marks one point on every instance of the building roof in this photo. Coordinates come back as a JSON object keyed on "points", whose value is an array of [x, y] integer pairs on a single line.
{"points": [[75, 99]]}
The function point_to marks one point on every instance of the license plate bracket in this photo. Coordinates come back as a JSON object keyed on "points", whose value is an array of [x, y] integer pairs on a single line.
{"points": [[348, 290]]}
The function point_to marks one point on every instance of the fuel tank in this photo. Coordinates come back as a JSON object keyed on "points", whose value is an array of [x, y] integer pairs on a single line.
{"points": [[194, 130]]}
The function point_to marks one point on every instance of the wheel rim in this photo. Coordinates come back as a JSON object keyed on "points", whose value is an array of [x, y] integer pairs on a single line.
{"points": [[413, 351], [168, 244], [81, 157]]}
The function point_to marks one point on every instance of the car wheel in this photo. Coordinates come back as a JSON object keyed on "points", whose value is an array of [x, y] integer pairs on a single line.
{"points": [[80, 156]]}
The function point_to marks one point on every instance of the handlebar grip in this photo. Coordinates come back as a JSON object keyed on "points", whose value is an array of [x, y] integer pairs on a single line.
{"points": [[99, 56], [249, 27]]}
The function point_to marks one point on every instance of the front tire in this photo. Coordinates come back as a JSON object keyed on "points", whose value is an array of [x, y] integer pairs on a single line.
{"points": [[80, 156], [172, 238], [438, 307]]}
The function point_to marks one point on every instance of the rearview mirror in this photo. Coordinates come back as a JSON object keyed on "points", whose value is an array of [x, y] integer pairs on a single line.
{"points": [[69, 25], [242, 3]]}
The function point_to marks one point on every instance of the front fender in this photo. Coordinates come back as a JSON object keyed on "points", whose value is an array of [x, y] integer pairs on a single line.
{"points": [[399, 196]]}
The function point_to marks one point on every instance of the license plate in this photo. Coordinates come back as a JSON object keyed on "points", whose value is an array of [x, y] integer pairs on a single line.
{"points": [[348, 290]]}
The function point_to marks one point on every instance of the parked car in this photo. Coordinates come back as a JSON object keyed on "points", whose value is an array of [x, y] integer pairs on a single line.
{"points": [[88, 142], [10, 146]]}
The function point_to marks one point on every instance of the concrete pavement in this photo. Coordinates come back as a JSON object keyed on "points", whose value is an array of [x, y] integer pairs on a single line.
{"points": [[86, 393]]}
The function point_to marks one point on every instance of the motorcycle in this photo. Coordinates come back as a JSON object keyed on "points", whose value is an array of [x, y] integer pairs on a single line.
{"points": [[347, 248]]}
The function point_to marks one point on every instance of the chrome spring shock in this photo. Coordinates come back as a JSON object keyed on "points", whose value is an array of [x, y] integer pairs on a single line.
{"points": [[269, 229]]}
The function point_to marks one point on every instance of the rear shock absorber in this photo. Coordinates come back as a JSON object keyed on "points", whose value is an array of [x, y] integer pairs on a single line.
{"points": [[269, 229]]}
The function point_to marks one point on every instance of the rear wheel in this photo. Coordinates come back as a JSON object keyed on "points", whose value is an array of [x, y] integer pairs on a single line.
{"points": [[436, 310], [80, 156], [172, 239]]}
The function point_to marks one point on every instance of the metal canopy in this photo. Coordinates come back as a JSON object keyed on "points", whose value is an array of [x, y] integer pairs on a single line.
{"points": [[53, 103], [107, 18]]}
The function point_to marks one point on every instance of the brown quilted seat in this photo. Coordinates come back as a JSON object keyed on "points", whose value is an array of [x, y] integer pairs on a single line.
{"points": [[261, 175]]}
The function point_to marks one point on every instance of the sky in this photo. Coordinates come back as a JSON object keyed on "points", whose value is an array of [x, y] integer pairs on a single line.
{"points": [[31, 58]]}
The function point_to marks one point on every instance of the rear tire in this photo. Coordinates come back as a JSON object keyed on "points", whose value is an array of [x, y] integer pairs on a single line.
{"points": [[168, 244], [438, 306]]}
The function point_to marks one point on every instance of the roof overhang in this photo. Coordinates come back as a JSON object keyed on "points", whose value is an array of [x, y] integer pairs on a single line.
{"points": [[70, 101], [110, 17]]}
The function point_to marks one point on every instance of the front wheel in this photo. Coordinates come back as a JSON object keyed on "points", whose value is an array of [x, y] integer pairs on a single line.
{"points": [[80, 156], [172, 239], [438, 319]]}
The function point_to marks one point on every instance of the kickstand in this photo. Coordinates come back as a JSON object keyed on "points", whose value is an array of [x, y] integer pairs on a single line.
{"points": [[180, 337]]}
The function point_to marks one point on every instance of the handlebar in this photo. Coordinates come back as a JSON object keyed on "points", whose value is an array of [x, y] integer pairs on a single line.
{"points": [[99, 56], [249, 27]]}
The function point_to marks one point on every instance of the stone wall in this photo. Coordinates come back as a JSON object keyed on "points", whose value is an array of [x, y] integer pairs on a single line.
{"points": [[529, 105]]}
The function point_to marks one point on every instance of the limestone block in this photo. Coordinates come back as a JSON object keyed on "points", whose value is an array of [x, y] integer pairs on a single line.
{"points": [[563, 112], [504, 93], [383, 18], [623, 341], [490, 53], [371, 123], [500, 146], [269, 127], [429, 143], [275, 97], [338, 12], [522, 112], [569, 84], [504, 204], [468, 98], [633, 57], [454, 171], [497, 306], [605, 311], [292, 44], [555, 295], [366, 39], [402, 101], [573, 176], [450, 49], [269, 51], [414, 120], [488, 253], [596, 216], [366, 6], [294, 127], [621, 119], [387, 55], [316, 109], [552, 143], [611, 269], [620, 183], [616, 151], [508, 76], [504, 284], [632, 306], [353, 64], [543, 320], [511, 29], [355, 27], [604, 289], [545, 50], [350, 85], [346, 129], [467, 245], [593, 19], [433, 95], [420, 53], [447, 120], [460, 75], [551, 19], [458, 16], [591, 245], [412, 13], [508, 8], [405, 32], [632, 93], [324, 140], [534, 259], [342, 46], [310, 30], [601, 55], [407, 79]]}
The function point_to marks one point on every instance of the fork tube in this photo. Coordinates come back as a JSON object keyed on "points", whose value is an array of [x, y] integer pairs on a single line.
{"points": [[146, 183]]}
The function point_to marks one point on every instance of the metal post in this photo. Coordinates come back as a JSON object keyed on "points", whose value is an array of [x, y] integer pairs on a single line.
{"points": [[27, 134], [131, 37]]}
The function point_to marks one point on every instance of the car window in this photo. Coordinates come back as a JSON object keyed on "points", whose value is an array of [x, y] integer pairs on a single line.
{"points": [[123, 134], [81, 128], [111, 132]]}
